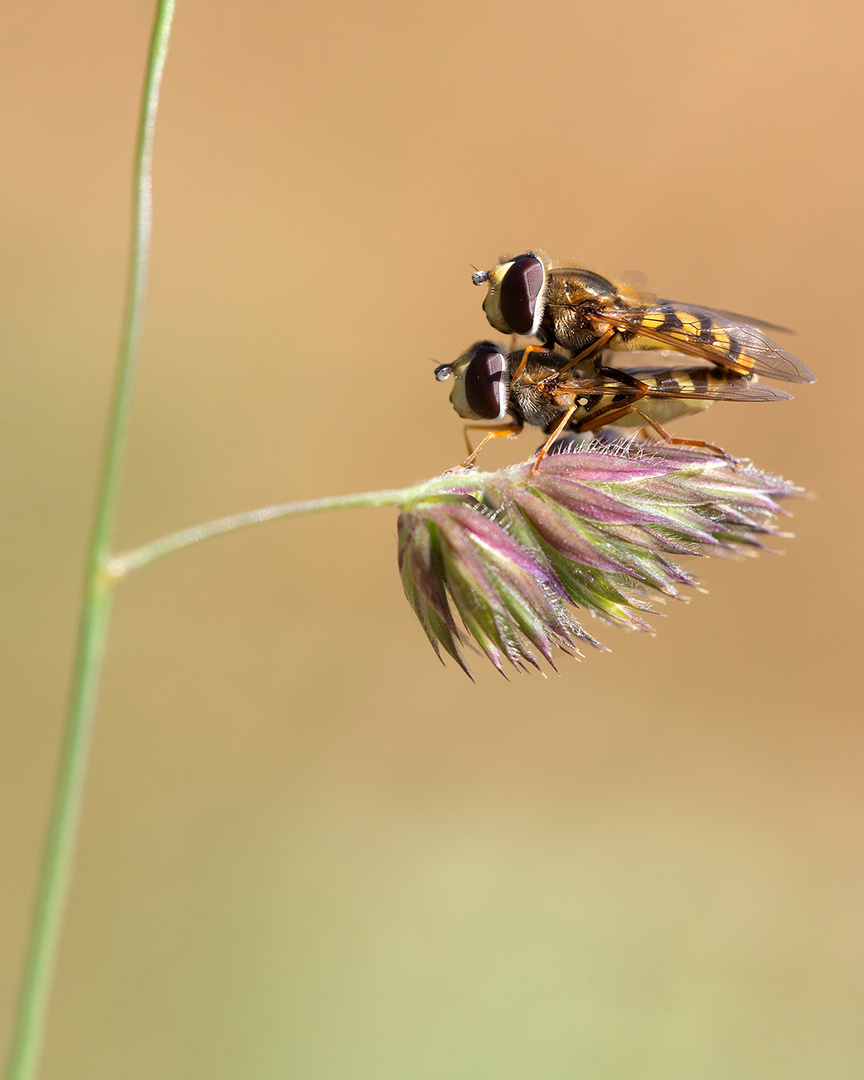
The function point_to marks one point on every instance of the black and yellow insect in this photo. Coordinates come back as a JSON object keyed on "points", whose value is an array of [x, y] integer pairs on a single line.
{"points": [[582, 312], [532, 386]]}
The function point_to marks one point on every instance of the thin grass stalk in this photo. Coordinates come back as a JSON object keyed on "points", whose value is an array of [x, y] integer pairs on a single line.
{"points": [[31, 1019]]}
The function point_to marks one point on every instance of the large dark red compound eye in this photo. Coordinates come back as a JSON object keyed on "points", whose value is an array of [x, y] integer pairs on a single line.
{"points": [[520, 287], [484, 383]]}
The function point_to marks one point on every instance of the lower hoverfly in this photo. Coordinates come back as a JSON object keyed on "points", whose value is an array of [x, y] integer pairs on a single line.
{"points": [[531, 386], [583, 313]]}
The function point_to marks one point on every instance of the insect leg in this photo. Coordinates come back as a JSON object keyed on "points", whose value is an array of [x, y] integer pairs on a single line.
{"points": [[525, 354], [506, 431], [609, 415], [623, 377], [591, 350], [559, 427], [664, 434]]}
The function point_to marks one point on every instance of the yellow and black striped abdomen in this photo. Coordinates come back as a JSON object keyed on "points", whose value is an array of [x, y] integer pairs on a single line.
{"points": [[690, 382], [668, 326], [664, 396], [694, 331]]}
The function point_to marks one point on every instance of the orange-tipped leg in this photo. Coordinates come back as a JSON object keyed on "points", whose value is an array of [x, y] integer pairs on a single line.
{"points": [[559, 427], [594, 349], [508, 431], [526, 352], [664, 434]]}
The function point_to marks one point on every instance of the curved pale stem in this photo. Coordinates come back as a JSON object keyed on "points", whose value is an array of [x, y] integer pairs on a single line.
{"points": [[124, 564]]}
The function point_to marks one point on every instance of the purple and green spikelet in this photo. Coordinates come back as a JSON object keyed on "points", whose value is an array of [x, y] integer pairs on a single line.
{"points": [[600, 529]]}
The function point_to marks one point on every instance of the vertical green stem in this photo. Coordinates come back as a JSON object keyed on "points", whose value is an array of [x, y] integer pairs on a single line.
{"points": [[28, 1035]]}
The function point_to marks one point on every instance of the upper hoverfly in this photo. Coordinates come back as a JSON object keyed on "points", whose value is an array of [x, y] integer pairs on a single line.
{"points": [[533, 386], [584, 313]]}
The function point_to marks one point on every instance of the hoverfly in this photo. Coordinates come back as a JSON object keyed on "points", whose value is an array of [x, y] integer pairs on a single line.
{"points": [[582, 312], [532, 386]]}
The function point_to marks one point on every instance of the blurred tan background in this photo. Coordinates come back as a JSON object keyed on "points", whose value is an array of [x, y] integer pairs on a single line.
{"points": [[308, 849]]}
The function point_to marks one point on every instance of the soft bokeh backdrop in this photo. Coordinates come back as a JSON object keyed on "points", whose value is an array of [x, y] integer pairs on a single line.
{"points": [[308, 849]]}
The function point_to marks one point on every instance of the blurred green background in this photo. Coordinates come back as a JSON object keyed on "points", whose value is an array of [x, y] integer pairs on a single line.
{"points": [[308, 849]]}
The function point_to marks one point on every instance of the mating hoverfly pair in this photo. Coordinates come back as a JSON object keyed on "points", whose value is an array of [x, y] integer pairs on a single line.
{"points": [[564, 383]]}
